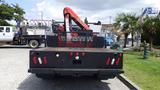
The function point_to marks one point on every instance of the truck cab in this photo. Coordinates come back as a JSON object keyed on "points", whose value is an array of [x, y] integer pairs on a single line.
{"points": [[6, 33]]}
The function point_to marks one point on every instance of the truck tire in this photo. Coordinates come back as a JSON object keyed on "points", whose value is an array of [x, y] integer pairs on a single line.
{"points": [[34, 43]]}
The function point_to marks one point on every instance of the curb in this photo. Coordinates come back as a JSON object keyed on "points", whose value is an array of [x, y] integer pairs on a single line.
{"points": [[128, 82]]}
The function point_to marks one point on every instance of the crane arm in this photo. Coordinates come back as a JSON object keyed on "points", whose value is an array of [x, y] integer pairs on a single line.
{"points": [[70, 14]]}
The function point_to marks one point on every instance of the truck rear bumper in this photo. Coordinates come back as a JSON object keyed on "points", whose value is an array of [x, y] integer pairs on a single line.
{"points": [[61, 71]]}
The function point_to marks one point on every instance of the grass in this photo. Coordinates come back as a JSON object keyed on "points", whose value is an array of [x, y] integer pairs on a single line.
{"points": [[145, 73]]}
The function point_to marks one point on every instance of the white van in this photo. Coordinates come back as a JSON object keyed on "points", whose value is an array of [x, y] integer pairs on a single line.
{"points": [[6, 33]]}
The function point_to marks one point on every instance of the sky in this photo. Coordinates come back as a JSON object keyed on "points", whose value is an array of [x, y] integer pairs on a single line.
{"points": [[94, 10]]}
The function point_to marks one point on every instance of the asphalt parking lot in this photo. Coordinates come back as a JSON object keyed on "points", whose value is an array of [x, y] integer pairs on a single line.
{"points": [[14, 76]]}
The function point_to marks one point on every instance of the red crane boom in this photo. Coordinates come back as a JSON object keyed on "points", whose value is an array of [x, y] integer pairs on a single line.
{"points": [[69, 14]]}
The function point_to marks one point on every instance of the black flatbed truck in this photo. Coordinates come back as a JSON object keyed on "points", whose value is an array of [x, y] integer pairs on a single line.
{"points": [[100, 62], [75, 51]]}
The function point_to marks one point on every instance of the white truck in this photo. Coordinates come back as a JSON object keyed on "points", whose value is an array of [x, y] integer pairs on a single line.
{"points": [[7, 33], [32, 36]]}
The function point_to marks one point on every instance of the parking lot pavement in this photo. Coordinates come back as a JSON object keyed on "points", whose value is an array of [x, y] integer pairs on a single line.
{"points": [[14, 76]]}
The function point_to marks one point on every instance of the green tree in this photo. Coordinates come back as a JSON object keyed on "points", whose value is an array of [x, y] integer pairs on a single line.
{"points": [[116, 30], [150, 27], [126, 21], [135, 27], [18, 13], [10, 12], [132, 20], [129, 24], [157, 37], [6, 13]]}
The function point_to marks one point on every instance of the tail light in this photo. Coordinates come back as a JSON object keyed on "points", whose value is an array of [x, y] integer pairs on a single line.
{"points": [[44, 60], [70, 54], [77, 53], [119, 58], [107, 61], [57, 55], [34, 60], [113, 60], [117, 62], [77, 57]]}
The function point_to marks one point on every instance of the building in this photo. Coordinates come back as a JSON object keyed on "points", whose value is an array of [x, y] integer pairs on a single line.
{"points": [[107, 31]]}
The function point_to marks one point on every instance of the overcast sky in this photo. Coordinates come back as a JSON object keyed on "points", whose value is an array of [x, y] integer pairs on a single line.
{"points": [[94, 10]]}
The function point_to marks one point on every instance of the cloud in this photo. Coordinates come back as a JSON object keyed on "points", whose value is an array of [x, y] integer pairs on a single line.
{"points": [[95, 10], [50, 9], [153, 3], [96, 5]]}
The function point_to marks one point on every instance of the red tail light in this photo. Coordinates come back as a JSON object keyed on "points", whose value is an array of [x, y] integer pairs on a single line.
{"points": [[34, 60], [117, 62], [77, 53], [70, 54], [107, 61], [44, 60]]}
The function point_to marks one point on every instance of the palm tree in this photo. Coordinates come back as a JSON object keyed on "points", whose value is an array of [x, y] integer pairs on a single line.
{"points": [[117, 31], [150, 27], [129, 25], [136, 27]]}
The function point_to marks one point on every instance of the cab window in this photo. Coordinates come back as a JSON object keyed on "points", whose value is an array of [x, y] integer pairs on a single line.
{"points": [[1, 29], [8, 29]]}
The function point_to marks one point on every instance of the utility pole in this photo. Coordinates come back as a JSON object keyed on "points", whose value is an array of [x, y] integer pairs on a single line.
{"points": [[41, 15], [110, 19]]}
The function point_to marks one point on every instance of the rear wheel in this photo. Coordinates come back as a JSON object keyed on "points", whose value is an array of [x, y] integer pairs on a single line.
{"points": [[33, 43]]}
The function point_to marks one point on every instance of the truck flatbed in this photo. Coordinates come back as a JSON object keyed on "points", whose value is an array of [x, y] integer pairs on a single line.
{"points": [[63, 61], [69, 49]]}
